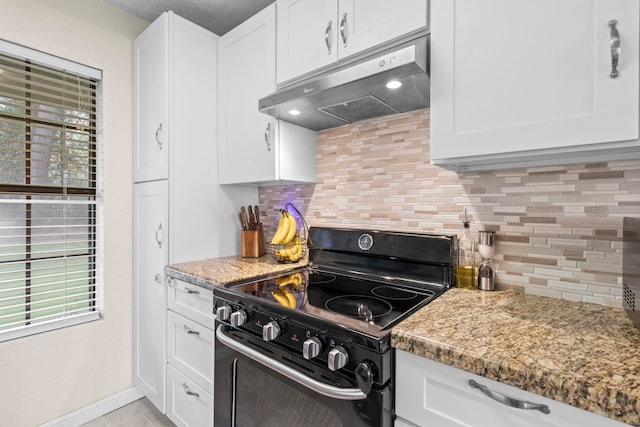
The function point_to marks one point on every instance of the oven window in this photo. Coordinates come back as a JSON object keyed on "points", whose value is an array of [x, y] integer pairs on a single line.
{"points": [[265, 401]]}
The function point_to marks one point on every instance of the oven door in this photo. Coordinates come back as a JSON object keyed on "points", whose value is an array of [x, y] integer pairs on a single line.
{"points": [[252, 389]]}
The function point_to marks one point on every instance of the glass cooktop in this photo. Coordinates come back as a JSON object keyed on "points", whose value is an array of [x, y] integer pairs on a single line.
{"points": [[349, 300]]}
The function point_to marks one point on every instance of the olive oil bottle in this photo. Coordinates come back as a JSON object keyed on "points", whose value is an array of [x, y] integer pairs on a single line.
{"points": [[466, 267]]}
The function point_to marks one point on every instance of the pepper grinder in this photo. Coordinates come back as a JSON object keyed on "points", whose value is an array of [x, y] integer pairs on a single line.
{"points": [[487, 250]]}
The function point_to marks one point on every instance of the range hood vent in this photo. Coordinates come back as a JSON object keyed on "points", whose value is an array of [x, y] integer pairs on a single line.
{"points": [[358, 90]]}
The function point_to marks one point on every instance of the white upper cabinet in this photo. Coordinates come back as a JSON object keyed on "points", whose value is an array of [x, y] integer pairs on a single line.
{"points": [[313, 34], [516, 82], [255, 148], [151, 103]]}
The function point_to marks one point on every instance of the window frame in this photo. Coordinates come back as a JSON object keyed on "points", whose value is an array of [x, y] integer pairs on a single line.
{"points": [[96, 208]]}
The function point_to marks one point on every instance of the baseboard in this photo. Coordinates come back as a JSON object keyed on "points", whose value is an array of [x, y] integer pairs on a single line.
{"points": [[97, 409]]}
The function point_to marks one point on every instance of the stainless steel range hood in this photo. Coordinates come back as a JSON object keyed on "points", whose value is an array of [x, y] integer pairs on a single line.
{"points": [[357, 91]]}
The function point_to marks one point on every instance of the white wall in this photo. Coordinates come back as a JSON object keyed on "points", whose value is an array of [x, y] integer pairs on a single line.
{"points": [[45, 376]]}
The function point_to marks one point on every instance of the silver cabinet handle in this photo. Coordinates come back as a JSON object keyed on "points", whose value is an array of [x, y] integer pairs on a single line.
{"points": [[189, 291], [343, 28], [187, 390], [327, 37], [509, 401], [158, 278], [190, 331], [615, 48], [267, 136], [293, 374], [157, 135], [159, 233], [169, 281]]}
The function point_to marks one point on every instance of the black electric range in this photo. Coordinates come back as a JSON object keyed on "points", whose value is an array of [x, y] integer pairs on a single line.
{"points": [[330, 322]]}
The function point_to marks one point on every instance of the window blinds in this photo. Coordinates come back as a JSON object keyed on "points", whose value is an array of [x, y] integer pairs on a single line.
{"points": [[48, 195]]}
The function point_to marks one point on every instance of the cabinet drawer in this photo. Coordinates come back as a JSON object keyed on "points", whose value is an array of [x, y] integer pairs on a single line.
{"points": [[188, 405], [190, 348], [191, 301], [431, 393]]}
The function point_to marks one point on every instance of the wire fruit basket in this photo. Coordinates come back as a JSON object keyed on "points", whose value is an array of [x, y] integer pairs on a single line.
{"points": [[288, 244]]}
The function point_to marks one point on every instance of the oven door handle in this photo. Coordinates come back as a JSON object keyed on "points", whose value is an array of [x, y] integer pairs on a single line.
{"points": [[300, 378]]}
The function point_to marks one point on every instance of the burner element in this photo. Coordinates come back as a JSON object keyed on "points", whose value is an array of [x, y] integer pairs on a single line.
{"points": [[318, 278], [358, 306], [393, 293]]}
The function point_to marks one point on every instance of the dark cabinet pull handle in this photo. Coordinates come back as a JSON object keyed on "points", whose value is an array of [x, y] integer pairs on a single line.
{"points": [[187, 390], [190, 331], [157, 136], [189, 291], [509, 401], [267, 136], [343, 28], [615, 48], [327, 37]]}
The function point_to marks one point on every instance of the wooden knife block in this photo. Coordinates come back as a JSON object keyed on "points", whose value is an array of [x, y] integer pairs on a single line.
{"points": [[252, 243]]}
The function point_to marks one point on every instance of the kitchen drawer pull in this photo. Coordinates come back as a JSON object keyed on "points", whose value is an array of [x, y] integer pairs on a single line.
{"points": [[343, 28], [509, 401], [158, 278], [327, 37], [615, 48], [187, 390], [189, 291], [267, 136], [291, 373], [159, 235], [190, 331], [157, 137]]}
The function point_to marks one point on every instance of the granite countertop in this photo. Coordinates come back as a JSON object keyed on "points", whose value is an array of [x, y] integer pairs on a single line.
{"points": [[582, 354], [208, 273]]}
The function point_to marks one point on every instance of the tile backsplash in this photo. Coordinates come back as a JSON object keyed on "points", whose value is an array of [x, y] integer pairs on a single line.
{"points": [[558, 228]]}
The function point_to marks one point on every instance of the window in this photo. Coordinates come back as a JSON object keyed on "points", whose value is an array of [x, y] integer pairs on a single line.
{"points": [[50, 202]]}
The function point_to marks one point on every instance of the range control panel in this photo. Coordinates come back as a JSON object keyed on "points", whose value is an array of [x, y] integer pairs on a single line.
{"points": [[338, 354]]}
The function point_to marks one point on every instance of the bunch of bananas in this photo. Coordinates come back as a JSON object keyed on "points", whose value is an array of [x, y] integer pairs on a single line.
{"points": [[286, 235], [285, 297], [293, 279]]}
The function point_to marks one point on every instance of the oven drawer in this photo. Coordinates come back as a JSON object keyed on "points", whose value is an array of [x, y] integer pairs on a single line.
{"points": [[191, 301], [190, 348], [188, 404]]}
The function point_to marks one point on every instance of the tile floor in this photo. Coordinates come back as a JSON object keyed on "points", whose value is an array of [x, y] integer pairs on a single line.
{"points": [[140, 413]]}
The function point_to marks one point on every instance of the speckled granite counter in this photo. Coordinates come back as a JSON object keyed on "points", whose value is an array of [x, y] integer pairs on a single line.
{"points": [[220, 271], [582, 354]]}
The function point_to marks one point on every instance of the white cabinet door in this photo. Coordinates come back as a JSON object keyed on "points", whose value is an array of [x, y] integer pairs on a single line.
{"points": [[313, 34], [367, 23], [188, 405], [512, 76], [255, 148], [307, 36], [433, 394], [150, 257], [246, 70], [151, 102]]}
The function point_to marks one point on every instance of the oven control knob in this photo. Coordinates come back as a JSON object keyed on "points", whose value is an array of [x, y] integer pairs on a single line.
{"points": [[223, 312], [338, 358], [270, 331], [238, 318], [311, 348]]}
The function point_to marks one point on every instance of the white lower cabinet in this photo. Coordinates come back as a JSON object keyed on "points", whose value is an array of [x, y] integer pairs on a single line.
{"points": [[430, 393], [190, 354], [188, 404]]}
